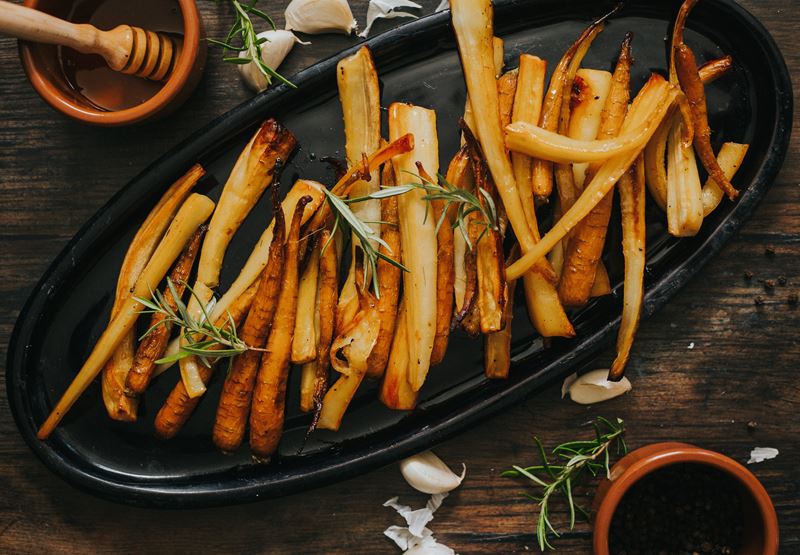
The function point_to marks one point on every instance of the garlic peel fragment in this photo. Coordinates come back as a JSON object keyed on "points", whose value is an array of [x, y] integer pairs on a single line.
{"points": [[594, 387], [443, 5], [387, 9], [761, 454], [427, 473], [273, 52], [416, 538], [320, 16]]}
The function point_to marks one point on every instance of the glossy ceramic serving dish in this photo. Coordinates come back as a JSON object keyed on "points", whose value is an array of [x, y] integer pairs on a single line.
{"points": [[417, 63]]}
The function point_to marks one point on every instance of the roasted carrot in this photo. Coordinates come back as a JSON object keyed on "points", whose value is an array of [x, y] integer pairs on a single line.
{"points": [[269, 396], [152, 346], [506, 90], [178, 407], [389, 281], [693, 88], [237, 391], [586, 243]]}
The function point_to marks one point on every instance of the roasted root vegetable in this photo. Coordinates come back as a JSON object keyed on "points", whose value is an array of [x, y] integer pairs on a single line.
{"points": [[730, 159], [359, 95], [349, 354], [314, 380], [269, 396], [396, 391], [693, 88], [417, 233], [585, 246], [497, 345], [631, 199], [304, 341], [237, 391], [389, 282], [647, 111], [684, 190], [194, 211], [178, 407], [118, 405], [251, 175], [155, 341]]}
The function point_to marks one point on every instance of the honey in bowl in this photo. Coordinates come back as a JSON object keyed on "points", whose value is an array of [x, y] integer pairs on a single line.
{"points": [[89, 76]]}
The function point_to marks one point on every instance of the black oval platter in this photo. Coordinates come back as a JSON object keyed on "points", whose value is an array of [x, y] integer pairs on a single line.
{"points": [[417, 63]]}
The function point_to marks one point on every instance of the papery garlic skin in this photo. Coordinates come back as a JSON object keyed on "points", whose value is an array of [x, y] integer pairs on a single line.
{"points": [[273, 52], [594, 387], [387, 9], [320, 16], [427, 473]]}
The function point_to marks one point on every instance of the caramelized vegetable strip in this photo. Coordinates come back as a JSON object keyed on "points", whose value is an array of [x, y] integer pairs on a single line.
{"points": [[472, 21], [396, 391], [237, 391], [655, 152], [498, 54], [190, 216], [118, 405], [328, 297], [152, 346], [417, 234], [304, 341], [650, 105], [590, 92], [359, 95], [631, 199], [565, 178], [488, 244], [458, 175], [178, 407], [389, 282], [497, 345], [585, 247], [602, 283], [692, 87], [684, 190], [552, 109], [730, 159], [349, 354], [506, 91], [251, 175], [269, 396], [528, 108]]}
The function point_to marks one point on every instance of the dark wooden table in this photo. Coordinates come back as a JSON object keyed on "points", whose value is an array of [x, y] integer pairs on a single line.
{"points": [[702, 368]]}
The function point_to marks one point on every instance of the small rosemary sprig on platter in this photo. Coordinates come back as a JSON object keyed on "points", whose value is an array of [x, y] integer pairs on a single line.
{"points": [[574, 460], [215, 342], [248, 40]]}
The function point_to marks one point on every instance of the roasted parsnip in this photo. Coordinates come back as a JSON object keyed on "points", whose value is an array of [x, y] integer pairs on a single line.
{"points": [[396, 391], [497, 345], [190, 216], [304, 341], [251, 175], [118, 405], [730, 159], [417, 233]]}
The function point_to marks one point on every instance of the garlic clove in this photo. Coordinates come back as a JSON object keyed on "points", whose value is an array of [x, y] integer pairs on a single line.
{"points": [[427, 473], [320, 16], [387, 9], [273, 52], [568, 381], [594, 387]]}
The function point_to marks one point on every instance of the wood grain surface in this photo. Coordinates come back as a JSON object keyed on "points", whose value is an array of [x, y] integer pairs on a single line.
{"points": [[702, 367]]}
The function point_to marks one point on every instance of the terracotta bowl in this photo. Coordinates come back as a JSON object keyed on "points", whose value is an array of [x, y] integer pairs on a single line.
{"points": [[45, 73], [761, 523]]}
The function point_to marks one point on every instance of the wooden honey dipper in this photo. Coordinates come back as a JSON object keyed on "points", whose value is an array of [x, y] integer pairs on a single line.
{"points": [[125, 48]]}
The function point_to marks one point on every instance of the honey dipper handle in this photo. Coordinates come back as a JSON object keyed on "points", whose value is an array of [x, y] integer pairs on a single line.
{"points": [[29, 24]]}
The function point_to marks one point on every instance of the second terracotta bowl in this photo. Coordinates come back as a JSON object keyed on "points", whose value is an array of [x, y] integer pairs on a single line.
{"points": [[761, 523]]}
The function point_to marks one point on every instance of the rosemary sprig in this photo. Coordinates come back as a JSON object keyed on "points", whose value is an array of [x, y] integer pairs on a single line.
{"points": [[574, 460], [243, 38], [203, 338], [365, 235]]}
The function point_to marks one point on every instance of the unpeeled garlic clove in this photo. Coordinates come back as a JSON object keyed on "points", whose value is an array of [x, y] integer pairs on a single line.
{"points": [[320, 16], [594, 387], [273, 52], [427, 473]]}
